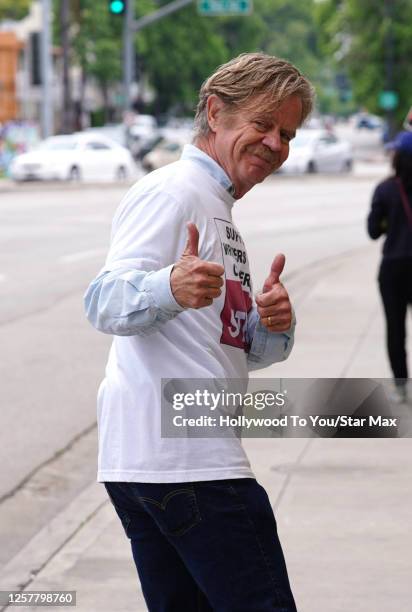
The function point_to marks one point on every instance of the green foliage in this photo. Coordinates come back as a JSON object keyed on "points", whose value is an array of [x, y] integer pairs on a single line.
{"points": [[14, 9], [291, 32], [97, 43], [288, 29], [364, 35], [177, 53]]}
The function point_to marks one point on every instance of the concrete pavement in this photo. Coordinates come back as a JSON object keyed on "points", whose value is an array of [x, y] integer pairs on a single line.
{"points": [[343, 506]]}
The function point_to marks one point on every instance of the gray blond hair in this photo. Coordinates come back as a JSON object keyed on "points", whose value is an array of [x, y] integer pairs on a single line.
{"points": [[238, 82]]}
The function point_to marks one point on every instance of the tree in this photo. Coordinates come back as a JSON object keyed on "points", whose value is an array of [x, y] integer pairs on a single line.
{"points": [[373, 40], [180, 51], [14, 9], [97, 47], [176, 54]]}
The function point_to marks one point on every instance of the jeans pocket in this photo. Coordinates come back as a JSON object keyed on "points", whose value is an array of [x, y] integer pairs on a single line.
{"points": [[223, 494], [174, 509]]}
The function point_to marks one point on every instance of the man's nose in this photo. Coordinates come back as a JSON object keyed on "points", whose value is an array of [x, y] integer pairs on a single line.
{"points": [[272, 140]]}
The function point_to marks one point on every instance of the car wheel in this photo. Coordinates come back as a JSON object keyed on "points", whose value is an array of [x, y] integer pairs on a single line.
{"points": [[121, 173], [348, 165], [148, 167], [311, 168], [74, 174]]}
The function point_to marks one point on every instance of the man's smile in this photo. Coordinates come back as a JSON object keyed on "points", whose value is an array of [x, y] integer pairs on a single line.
{"points": [[265, 161]]}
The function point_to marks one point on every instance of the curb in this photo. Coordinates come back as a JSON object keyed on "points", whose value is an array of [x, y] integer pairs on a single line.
{"points": [[7, 186], [23, 568]]}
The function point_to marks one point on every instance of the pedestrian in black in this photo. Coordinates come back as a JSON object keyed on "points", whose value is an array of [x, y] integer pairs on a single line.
{"points": [[391, 214]]}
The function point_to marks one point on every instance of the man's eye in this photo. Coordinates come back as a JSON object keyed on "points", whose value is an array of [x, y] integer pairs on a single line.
{"points": [[286, 137], [261, 125]]}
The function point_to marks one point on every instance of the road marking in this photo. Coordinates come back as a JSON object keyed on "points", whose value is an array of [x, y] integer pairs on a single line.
{"points": [[73, 257]]}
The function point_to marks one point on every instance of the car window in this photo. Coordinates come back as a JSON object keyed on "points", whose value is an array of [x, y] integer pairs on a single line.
{"points": [[328, 139], [171, 146], [58, 143], [95, 145], [302, 139]]}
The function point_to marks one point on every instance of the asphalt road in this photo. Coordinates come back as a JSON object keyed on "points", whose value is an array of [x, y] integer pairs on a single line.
{"points": [[54, 242]]}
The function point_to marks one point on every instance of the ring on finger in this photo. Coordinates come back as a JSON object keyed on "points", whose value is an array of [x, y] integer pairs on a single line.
{"points": [[269, 321]]}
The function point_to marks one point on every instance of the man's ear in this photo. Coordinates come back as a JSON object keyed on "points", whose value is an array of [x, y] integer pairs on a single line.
{"points": [[215, 107]]}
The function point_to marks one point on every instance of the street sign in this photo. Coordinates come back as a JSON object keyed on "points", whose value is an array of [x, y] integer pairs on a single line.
{"points": [[216, 8], [388, 100]]}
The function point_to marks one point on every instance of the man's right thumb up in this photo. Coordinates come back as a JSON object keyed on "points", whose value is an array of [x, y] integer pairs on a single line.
{"points": [[192, 244]]}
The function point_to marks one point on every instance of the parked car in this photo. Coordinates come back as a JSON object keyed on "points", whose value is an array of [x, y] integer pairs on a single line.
{"points": [[369, 122], [141, 132], [148, 145], [164, 153], [115, 131], [80, 156], [318, 151]]}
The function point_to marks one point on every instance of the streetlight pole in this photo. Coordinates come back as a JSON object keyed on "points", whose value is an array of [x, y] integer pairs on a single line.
{"points": [[128, 54], [46, 71]]}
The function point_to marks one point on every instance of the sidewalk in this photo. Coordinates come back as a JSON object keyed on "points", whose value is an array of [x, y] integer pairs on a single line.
{"points": [[343, 506]]}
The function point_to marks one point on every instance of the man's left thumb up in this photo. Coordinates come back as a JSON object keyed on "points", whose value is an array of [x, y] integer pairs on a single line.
{"points": [[276, 270]]}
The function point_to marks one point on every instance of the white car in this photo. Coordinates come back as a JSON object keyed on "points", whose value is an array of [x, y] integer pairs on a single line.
{"points": [[318, 151], [75, 157]]}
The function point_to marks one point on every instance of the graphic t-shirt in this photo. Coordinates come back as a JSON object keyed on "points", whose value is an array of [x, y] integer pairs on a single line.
{"points": [[149, 233]]}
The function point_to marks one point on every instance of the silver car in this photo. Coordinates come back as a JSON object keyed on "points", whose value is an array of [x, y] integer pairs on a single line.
{"points": [[318, 151]]}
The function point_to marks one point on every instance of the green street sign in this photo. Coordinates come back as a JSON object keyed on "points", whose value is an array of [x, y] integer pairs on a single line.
{"points": [[388, 100], [214, 8]]}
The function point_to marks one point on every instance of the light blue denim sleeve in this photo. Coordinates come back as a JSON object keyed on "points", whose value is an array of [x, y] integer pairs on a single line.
{"points": [[267, 347], [127, 302]]}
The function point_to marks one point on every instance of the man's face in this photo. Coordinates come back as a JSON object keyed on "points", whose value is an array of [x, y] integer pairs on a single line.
{"points": [[251, 144]]}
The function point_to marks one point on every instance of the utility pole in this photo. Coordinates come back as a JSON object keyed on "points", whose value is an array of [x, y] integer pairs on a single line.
{"points": [[46, 71], [128, 54], [66, 117]]}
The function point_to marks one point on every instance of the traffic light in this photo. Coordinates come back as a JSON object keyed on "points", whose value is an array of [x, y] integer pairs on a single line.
{"points": [[35, 61], [117, 7]]}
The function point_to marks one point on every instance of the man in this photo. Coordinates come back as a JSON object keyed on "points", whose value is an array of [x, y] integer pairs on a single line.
{"points": [[176, 294]]}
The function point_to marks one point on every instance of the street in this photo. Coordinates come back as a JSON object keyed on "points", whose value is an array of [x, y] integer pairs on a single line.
{"points": [[54, 243]]}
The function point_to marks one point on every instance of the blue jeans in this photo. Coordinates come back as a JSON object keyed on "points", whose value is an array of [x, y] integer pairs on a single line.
{"points": [[204, 546]]}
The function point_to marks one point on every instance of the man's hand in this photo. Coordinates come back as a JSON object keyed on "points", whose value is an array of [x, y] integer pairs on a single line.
{"points": [[273, 305], [195, 283]]}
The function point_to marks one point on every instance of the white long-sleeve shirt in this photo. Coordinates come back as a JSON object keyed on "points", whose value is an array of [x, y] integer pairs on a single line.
{"points": [[155, 338]]}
